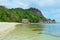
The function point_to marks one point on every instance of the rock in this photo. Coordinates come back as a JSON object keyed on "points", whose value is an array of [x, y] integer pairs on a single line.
{"points": [[48, 21], [25, 21]]}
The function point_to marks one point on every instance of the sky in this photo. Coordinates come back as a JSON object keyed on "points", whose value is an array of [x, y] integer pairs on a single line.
{"points": [[49, 8]]}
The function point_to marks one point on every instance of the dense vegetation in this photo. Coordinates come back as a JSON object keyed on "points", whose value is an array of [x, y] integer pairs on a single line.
{"points": [[17, 14]]}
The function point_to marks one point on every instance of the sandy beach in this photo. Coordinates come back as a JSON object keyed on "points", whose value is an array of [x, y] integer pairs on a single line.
{"points": [[6, 27]]}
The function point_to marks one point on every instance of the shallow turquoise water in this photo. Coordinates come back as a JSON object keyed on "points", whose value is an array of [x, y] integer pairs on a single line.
{"points": [[35, 32], [52, 29]]}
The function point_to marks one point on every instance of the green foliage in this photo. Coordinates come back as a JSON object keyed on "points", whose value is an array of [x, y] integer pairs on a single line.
{"points": [[17, 14]]}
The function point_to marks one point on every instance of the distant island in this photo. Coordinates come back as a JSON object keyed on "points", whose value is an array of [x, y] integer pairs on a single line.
{"points": [[17, 14]]}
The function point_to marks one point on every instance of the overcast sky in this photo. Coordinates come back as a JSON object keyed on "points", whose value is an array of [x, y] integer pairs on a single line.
{"points": [[49, 8]]}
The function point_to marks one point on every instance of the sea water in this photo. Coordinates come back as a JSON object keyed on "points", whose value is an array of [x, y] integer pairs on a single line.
{"points": [[34, 32]]}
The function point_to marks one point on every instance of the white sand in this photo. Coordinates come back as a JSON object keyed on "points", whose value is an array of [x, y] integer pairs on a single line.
{"points": [[6, 27]]}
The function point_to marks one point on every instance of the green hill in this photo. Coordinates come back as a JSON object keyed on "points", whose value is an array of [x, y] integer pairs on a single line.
{"points": [[17, 14]]}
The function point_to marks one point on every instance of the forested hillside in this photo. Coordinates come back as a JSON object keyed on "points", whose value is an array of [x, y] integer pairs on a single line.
{"points": [[17, 14]]}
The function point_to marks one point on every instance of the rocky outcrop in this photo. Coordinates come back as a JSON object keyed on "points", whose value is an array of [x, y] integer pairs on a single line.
{"points": [[43, 20], [25, 21], [38, 12], [48, 21]]}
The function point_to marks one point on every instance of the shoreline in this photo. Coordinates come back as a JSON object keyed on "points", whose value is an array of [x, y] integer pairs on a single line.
{"points": [[7, 25]]}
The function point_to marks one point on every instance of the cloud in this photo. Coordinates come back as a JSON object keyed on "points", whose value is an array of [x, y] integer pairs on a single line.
{"points": [[14, 3], [46, 2], [3, 2], [52, 11], [28, 3]]}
